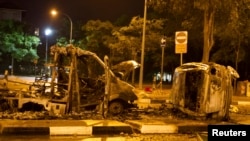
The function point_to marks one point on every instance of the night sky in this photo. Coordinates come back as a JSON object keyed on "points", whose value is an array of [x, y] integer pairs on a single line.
{"points": [[37, 11]]}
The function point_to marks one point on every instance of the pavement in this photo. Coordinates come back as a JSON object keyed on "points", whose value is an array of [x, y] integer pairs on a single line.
{"points": [[153, 125]]}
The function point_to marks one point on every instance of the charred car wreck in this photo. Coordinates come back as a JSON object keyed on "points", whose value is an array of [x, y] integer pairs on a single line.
{"points": [[88, 81], [80, 81], [203, 89]]}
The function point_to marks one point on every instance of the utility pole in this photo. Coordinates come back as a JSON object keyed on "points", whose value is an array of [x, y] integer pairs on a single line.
{"points": [[143, 46]]}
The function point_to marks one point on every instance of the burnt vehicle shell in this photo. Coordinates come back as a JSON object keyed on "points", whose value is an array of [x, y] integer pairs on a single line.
{"points": [[92, 83], [203, 89], [91, 89], [121, 94], [123, 69]]}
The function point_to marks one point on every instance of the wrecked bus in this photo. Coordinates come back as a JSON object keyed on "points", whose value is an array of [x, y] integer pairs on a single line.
{"points": [[203, 90], [53, 94], [90, 71]]}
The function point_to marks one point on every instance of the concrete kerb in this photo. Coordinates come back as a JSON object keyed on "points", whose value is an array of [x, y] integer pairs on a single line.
{"points": [[94, 127], [171, 126], [98, 127], [102, 127], [241, 102], [146, 127], [63, 127]]}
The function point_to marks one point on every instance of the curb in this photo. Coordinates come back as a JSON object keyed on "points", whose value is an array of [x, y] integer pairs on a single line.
{"points": [[151, 127], [25, 130], [174, 127], [241, 102], [102, 127], [70, 130], [66, 130], [146, 102], [57, 128]]}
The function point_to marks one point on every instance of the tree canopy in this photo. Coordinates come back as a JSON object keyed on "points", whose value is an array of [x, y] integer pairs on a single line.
{"points": [[218, 31], [16, 41]]}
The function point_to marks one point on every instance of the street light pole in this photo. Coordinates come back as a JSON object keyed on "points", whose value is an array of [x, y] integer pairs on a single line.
{"points": [[46, 52], [71, 27], [143, 46], [54, 12], [47, 33]]}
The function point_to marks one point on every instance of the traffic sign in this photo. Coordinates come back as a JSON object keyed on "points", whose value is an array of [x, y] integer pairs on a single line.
{"points": [[181, 42], [181, 37], [180, 48], [163, 42]]}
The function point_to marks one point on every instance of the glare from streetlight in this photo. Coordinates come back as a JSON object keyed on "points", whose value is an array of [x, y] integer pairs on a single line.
{"points": [[48, 31], [55, 12]]}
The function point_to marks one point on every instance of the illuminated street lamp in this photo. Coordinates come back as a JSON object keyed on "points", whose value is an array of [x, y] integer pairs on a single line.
{"points": [[47, 32], [55, 12]]}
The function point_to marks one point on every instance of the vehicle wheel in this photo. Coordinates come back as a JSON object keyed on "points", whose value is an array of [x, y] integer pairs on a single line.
{"points": [[116, 107]]}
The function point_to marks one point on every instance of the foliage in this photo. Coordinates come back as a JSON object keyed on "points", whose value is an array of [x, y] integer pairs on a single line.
{"points": [[14, 40], [181, 16], [218, 31], [128, 43], [214, 15], [62, 41], [124, 43], [97, 37], [236, 36]]}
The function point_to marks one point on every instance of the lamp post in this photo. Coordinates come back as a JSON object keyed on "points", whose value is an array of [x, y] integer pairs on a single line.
{"points": [[143, 45], [48, 31], [163, 45], [54, 13]]}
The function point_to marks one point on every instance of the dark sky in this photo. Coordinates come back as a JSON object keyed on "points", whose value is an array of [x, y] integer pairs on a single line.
{"points": [[37, 11]]}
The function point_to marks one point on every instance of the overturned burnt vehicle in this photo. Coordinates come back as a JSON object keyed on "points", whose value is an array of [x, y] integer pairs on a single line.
{"points": [[203, 90]]}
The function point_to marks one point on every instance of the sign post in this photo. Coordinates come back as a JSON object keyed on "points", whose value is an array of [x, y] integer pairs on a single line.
{"points": [[181, 43], [163, 45]]}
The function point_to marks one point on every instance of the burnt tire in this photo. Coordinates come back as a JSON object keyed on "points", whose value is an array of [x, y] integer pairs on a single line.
{"points": [[116, 107]]}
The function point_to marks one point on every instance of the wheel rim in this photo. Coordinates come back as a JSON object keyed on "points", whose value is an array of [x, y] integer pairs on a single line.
{"points": [[116, 107]]}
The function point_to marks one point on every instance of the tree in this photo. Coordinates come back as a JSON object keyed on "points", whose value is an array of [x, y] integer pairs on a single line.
{"points": [[124, 43], [97, 37], [14, 40], [234, 41], [128, 45], [129, 37], [209, 8], [188, 7]]}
